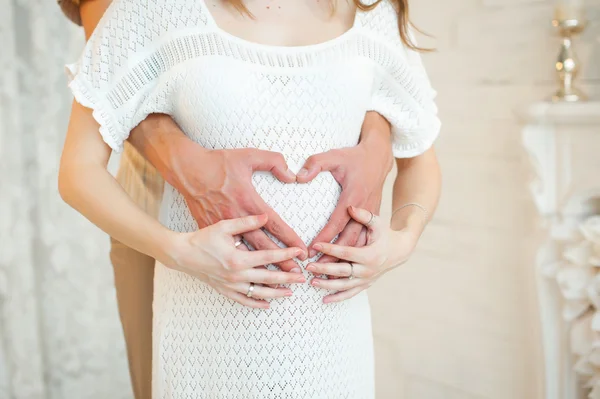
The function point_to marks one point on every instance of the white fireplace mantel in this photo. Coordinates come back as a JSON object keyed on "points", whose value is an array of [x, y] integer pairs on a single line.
{"points": [[562, 141]]}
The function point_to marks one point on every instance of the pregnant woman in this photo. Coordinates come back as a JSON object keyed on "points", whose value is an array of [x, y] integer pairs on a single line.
{"points": [[251, 76]]}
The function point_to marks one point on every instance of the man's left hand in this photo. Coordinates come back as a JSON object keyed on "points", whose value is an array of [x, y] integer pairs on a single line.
{"points": [[361, 171]]}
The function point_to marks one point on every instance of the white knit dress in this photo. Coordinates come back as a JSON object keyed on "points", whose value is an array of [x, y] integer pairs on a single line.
{"points": [[169, 56]]}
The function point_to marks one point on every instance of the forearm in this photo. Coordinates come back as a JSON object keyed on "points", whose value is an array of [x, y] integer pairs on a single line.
{"points": [[86, 185], [160, 140], [376, 131], [418, 181]]}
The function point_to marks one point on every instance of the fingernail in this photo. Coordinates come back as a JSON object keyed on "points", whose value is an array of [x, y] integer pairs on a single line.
{"points": [[289, 293], [301, 279], [303, 256], [312, 253], [318, 247], [325, 300], [303, 172], [311, 268], [315, 282], [296, 270]]}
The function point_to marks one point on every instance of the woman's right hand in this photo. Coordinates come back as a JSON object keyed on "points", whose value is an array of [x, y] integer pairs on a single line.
{"points": [[210, 254]]}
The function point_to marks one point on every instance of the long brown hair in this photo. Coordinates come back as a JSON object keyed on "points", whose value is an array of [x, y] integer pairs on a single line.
{"points": [[400, 5]]}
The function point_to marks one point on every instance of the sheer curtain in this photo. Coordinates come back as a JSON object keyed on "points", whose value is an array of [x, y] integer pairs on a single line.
{"points": [[60, 337]]}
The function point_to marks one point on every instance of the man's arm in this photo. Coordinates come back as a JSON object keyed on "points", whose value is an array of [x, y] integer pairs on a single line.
{"points": [[360, 170], [224, 193]]}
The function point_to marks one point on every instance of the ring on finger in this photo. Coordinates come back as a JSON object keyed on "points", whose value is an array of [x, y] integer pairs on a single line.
{"points": [[238, 242], [370, 222], [351, 276], [250, 290]]}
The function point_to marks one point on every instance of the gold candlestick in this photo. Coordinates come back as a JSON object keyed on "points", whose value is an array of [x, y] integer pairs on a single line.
{"points": [[569, 22]]}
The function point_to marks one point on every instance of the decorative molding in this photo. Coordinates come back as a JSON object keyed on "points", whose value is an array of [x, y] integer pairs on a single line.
{"points": [[563, 144]]}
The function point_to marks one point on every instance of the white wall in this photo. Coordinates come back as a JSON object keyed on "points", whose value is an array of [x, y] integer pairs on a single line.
{"points": [[459, 320]]}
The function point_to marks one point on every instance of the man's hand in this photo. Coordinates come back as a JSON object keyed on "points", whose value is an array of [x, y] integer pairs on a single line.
{"points": [[361, 171], [217, 184]]}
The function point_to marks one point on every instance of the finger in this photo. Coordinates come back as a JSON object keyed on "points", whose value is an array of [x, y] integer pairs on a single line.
{"points": [[362, 238], [252, 259], [260, 241], [265, 276], [364, 217], [339, 284], [318, 163], [338, 269], [337, 222], [262, 292], [244, 300], [348, 237], [343, 295], [369, 219], [268, 285], [243, 224], [348, 254], [280, 229], [274, 162], [238, 242]]}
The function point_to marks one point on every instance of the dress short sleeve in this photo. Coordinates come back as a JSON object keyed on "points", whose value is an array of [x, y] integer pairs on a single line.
{"points": [[124, 73], [402, 90]]}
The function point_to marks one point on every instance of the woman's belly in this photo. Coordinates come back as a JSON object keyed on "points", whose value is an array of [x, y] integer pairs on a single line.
{"points": [[306, 208]]}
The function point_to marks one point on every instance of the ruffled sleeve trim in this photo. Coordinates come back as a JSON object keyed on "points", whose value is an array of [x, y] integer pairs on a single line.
{"points": [[100, 110]]}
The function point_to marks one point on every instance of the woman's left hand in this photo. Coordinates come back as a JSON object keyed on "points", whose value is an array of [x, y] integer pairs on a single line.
{"points": [[359, 268]]}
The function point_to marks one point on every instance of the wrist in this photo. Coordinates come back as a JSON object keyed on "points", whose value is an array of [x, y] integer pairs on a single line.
{"points": [[169, 248], [409, 219], [379, 146]]}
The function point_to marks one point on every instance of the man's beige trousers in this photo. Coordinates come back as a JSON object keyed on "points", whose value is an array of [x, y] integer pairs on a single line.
{"points": [[134, 272]]}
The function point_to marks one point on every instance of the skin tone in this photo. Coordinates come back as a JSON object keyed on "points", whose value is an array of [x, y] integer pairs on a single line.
{"points": [[283, 23], [230, 195], [388, 244], [209, 254]]}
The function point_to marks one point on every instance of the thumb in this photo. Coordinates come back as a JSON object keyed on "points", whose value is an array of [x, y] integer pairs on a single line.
{"points": [[363, 216], [274, 162], [315, 164], [243, 224]]}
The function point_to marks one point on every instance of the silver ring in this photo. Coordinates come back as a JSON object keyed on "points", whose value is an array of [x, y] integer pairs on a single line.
{"points": [[370, 222], [250, 290], [238, 243], [351, 276]]}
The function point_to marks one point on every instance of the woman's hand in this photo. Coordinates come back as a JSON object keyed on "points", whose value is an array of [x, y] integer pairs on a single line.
{"points": [[211, 255], [360, 267]]}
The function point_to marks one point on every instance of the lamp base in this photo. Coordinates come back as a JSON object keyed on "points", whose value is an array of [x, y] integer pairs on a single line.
{"points": [[570, 96]]}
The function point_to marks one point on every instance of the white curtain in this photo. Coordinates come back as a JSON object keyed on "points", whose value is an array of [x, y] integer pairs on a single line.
{"points": [[60, 337]]}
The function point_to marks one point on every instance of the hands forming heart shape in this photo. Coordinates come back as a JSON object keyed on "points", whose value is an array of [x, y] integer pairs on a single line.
{"points": [[226, 206]]}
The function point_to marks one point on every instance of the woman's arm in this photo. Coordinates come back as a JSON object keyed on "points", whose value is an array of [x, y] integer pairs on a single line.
{"points": [[209, 253], [86, 185], [419, 182], [178, 159], [388, 246]]}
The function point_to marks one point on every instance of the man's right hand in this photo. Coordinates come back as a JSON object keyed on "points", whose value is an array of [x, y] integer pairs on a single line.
{"points": [[217, 184]]}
